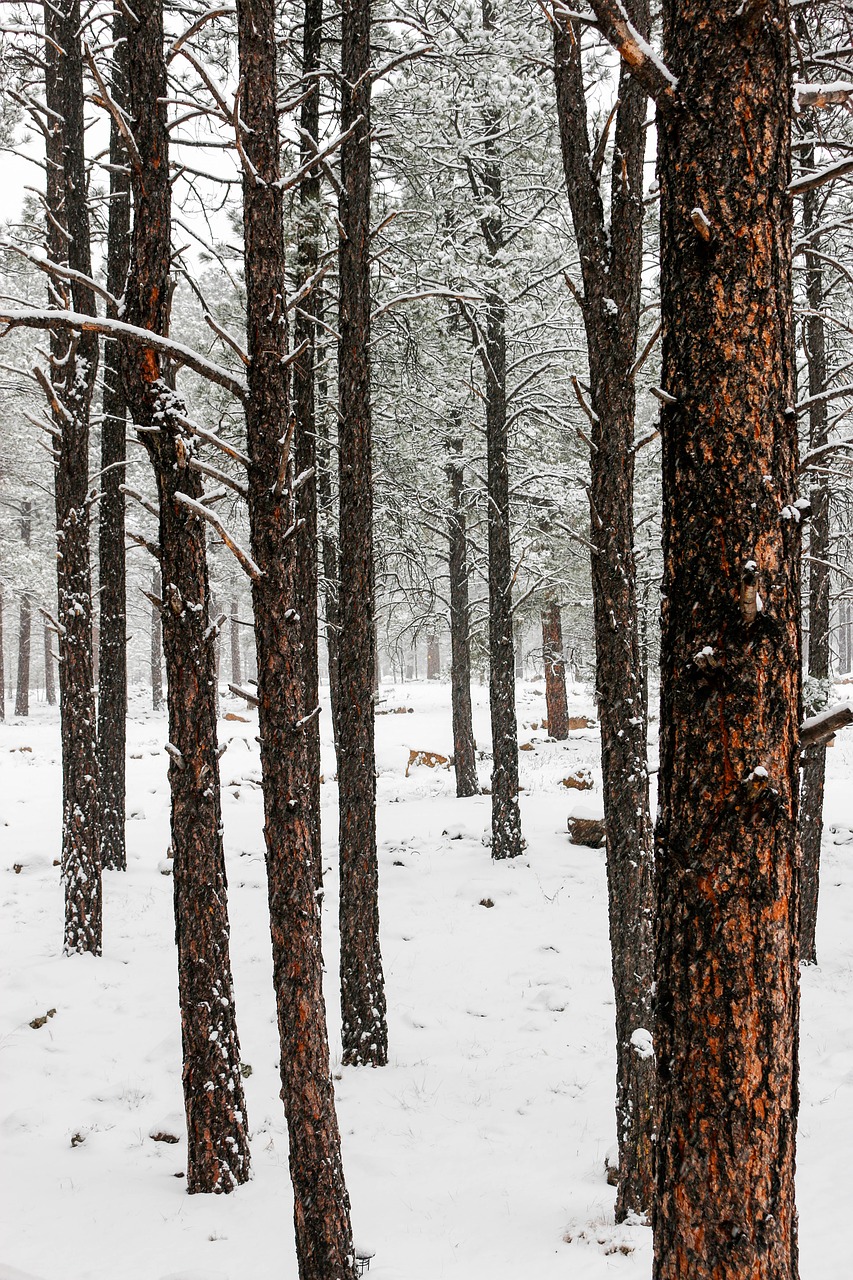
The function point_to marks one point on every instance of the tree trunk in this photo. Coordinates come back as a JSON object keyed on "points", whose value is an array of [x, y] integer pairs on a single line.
{"points": [[49, 681], [727, 885], [433, 657], [2, 666], [507, 841], [112, 685], [156, 644], [464, 746], [217, 1130], [326, 505], [555, 672], [74, 363], [236, 663], [22, 686], [365, 1031], [321, 1204], [814, 758], [611, 264], [309, 230]]}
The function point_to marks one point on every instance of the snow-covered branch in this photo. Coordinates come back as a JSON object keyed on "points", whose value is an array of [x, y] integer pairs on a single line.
{"points": [[34, 318]]}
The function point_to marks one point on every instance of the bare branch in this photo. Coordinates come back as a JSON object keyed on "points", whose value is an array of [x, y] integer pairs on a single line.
{"points": [[73, 320], [199, 509]]}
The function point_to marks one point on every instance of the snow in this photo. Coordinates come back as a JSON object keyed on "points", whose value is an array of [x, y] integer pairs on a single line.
{"points": [[479, 1151]]}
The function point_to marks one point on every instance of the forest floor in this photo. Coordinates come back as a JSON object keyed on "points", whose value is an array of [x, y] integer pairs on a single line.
{"points": [[479, 1150]]}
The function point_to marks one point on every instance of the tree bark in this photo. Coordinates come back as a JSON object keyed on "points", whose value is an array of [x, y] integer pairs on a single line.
{"points": [[365, 1031], [156, 656], [217, 1130], [727, 883], [112, 684], [22, 684], [464, 746], [74, 363], [321, 1204], [814, 758], [611, 266], [507, 841], [309, 230], [555, 672]]}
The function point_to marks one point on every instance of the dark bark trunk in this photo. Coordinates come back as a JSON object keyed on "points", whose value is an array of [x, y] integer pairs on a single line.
{"points": [[727, 884], [236, 662], [555, 672], [611, 264], [112, 684], [507, 841], [156, 656], [464, 746], [814, 758], [365, 1031], [74, 363], [326, 505], [217, 1130], [321, 1204], [49, 681], [22, 685], [309, 230]]}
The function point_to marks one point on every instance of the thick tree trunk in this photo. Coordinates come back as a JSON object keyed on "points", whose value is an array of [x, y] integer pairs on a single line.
{"points": [[305, 332], [156, 651], [814, 758], [49, 680], [321, 1204], [22, 684], [112, 684], [74, 363], [217, 1129], [365, 1031], [611, 264], [464, 746], [727, 884], [555, 672]]}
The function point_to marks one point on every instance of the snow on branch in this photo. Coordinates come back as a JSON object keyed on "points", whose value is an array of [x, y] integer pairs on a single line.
{"points": [[59, 270], [293, 179], [647, 67], [34, 318], [833, 94], [241, 691], [196, 27], [820, 728], [199, 509], [809, 181]]}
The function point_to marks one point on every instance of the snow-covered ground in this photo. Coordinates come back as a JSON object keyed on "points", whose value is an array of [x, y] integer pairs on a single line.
{"points": [[479, 1151]]}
